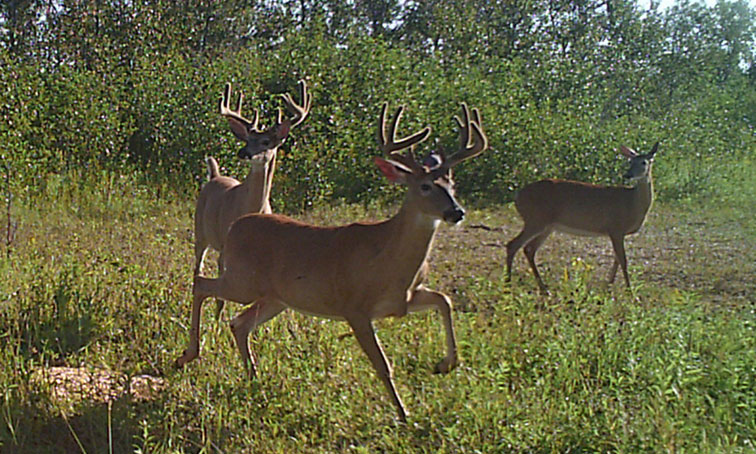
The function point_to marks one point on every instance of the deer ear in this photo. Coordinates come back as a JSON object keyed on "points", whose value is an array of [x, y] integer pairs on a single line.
{"points": [[654, 150], [239, 129], [629, 152], [282, 129], [395, 172]]}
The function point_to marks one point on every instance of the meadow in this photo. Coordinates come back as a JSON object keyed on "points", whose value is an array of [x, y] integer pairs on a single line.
{"points": [[108, 110], [95, 301]]}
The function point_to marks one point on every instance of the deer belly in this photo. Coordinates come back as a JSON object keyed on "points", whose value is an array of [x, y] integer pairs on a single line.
{"points": [[320, 314], [574, 230], [389, 308], [316, 306]]}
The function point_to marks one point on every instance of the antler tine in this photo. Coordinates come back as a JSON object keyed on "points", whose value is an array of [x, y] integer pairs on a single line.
{"points": [[382, 127], [464, 127], [469, 128], [300, 111], [391, 147], [390, 144], [226, 111]]}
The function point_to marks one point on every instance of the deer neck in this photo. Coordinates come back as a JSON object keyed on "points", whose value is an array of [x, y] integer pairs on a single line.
{"points": [[257, 186], [644, 193], [410, 238], [269, 183]]}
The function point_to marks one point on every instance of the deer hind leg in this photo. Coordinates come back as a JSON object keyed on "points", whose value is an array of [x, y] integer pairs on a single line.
{"points": [[618, 243], [200, 292], [219, 303], [530, 251], [257, 314], [529, 231], [200, 248], [424, 299], [365, 334], [613, 270]]}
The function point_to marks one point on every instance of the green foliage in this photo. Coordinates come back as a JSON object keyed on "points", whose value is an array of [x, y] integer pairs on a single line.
{"points": [[560, 85]]}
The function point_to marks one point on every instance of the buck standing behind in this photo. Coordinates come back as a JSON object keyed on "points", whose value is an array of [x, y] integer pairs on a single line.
{"points": [[224, 199]]}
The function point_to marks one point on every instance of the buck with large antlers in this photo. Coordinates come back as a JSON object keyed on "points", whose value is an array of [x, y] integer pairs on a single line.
{"points": [[224, 199], [356, 273], [584, 209]]}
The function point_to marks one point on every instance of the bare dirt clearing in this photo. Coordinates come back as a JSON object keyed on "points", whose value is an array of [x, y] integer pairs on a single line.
{"points": [[711, 256], [76, 384]]}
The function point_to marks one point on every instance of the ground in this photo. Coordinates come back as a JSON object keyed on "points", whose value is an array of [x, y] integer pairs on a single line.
{"points": [[96, 306]]}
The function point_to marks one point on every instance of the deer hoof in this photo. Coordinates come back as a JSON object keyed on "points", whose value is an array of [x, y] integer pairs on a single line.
{"points": [[445, 366], [185, 358]]}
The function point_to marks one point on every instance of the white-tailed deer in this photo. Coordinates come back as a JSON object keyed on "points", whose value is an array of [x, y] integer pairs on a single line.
{"points": [[224, 199], [356, 273], [584, 209]]}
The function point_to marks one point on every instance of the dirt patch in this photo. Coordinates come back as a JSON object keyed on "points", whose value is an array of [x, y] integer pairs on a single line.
{"points": [[75, 384], [712, 257]]}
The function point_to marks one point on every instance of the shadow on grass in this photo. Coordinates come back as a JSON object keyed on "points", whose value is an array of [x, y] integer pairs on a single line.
{"points": [[102, 427], [56, 321], [66, 409], [122, 425]]}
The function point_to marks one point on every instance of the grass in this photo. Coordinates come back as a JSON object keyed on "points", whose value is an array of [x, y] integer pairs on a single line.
{"points": [[99, 280]]}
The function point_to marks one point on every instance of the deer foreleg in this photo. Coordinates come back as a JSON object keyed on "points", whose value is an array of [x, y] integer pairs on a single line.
{"points": [[199, 295], [365, 334], [424, 299], [618, 242], [257, 314]]}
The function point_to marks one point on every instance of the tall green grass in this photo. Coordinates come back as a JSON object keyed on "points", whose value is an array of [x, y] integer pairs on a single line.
{"points": [[99, 277]]}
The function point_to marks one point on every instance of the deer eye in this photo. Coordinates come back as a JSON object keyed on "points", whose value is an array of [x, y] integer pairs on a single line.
{"points": [[425, 187]]}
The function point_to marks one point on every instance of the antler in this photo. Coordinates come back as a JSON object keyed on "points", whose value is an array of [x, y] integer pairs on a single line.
{"points": [[390, 146], [300, 111], [468, 128], [226, 111]]}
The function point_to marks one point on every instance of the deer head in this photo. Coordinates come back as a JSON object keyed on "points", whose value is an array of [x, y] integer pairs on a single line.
{"points": [[430, 183], [264, 141], [640, 164]]}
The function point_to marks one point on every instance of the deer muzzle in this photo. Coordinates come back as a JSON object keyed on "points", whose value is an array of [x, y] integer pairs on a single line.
{"points": [[244, 154], [454, 215]]}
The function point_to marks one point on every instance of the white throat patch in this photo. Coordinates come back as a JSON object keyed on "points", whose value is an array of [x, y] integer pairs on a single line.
{"points": [[431, 222]]}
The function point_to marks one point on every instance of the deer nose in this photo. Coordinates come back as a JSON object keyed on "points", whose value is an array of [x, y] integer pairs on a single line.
{"points": [[244, 154], [454, 215]]}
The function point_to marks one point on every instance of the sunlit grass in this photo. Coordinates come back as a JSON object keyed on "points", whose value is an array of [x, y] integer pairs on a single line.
{"points": [[101, 279]]}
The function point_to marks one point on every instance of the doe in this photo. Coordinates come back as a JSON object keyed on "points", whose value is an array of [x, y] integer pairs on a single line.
{"points": [[584, 209]]}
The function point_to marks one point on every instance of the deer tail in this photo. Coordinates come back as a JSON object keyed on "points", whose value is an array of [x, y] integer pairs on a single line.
{"points": [[212, 168]]}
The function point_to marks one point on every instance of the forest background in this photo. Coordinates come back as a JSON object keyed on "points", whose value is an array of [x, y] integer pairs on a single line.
{"points": [[132, 87]]}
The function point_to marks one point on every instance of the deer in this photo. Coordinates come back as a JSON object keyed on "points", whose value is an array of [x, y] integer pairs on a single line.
{"points": [[584, 209], [223, 199], [356, 273]]}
